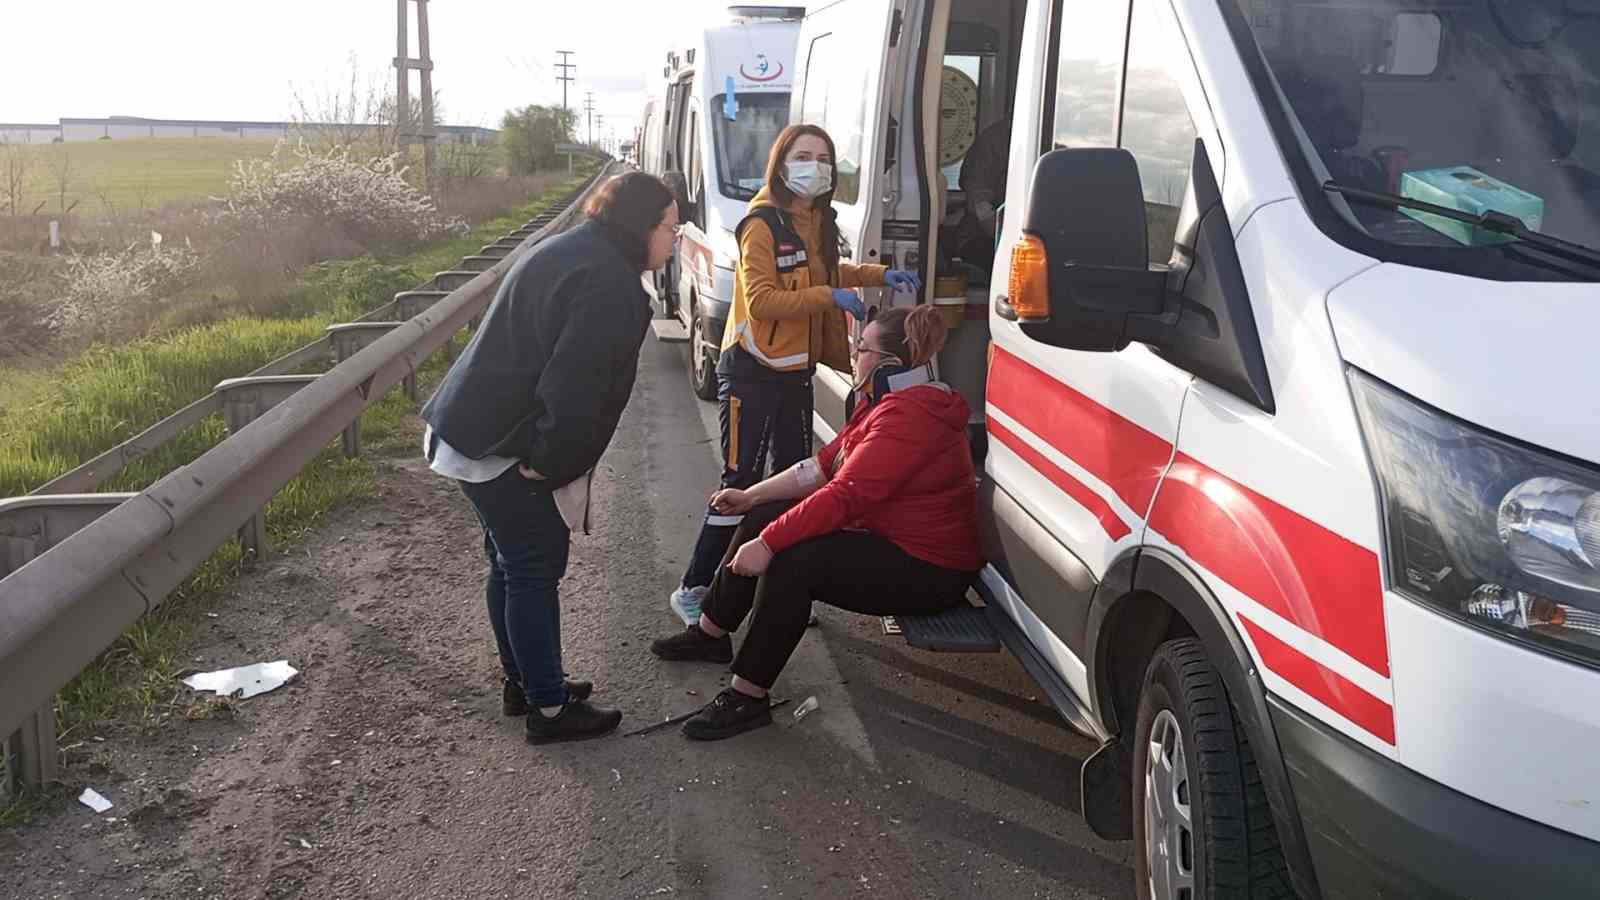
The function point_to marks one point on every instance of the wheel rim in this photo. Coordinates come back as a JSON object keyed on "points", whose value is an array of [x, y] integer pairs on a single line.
{"points": [[696, 357], [1168, 824]]}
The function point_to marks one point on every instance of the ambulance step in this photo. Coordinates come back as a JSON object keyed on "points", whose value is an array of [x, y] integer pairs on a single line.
{"points": [[669, 331], [965, 629]]}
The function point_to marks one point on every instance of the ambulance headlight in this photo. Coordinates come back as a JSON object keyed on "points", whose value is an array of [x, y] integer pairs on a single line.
{"points": [[1498, 534]]}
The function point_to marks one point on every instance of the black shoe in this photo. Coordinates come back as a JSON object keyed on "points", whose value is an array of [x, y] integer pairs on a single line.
{"points": [[694, 645], [513, 702], [578, 720], [729, 714]]}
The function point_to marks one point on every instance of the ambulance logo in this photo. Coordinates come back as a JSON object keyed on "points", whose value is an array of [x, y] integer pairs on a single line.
{"points": [[762, 66]]}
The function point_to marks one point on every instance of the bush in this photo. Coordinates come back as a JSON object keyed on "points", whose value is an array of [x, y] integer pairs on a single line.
{"points": [[102, 294], [370, 201]]}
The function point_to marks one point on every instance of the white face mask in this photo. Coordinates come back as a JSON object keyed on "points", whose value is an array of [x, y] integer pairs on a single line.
{"points": [[808, 179]]}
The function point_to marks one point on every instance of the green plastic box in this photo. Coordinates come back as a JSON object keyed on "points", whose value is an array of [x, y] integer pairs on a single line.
{"points": [[1471, 191]]}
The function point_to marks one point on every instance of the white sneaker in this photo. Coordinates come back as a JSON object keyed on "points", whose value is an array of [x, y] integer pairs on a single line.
{"points": [[686, 603]]}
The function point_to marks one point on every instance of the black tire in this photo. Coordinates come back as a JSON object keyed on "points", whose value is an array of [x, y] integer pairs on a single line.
{"points": [[1232, 847], [702, 366]]}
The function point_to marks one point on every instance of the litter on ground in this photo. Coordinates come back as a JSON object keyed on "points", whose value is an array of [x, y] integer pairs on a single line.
{"points": [[92, 799], [244, 681]]}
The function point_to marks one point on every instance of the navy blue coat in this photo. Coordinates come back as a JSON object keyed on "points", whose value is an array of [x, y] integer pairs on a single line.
{"points": [[549, 371]]}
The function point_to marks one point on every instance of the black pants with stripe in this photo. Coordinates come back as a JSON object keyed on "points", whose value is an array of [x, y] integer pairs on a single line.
{"points": [[763, 418], [854, 570]]}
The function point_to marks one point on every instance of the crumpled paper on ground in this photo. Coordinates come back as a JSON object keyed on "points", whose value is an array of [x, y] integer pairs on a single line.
{"points": [[245, 681], [92, 799]]}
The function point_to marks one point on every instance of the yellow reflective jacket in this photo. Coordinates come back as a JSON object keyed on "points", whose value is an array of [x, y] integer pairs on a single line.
{"points": [[783, 313]]}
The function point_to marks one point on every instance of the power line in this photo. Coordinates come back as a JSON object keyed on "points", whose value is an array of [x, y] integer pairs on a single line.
{"points": [[565, 77]]}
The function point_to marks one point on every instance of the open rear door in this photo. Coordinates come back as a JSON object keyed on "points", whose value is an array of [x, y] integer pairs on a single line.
{"points": [[853, 57]]}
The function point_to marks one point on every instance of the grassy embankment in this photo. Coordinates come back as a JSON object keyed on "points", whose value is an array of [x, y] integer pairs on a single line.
{"points": [[52, 420]]}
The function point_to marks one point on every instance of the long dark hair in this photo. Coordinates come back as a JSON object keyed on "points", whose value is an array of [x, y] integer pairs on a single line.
{"points": [[630, 206], [823, 204]]}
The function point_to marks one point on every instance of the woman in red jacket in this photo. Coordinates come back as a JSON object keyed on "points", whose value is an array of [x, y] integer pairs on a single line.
{"points": [[886, 523]]}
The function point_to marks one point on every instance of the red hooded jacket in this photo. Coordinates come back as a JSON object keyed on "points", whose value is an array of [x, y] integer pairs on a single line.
{"points": [[900, 469]]}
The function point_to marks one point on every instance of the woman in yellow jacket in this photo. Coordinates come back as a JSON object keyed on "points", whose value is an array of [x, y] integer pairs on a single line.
{"points": [[791, 298]]}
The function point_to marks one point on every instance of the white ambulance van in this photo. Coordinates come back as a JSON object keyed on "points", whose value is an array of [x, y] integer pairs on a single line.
{"points": [[1286, 364], [725, 97]]}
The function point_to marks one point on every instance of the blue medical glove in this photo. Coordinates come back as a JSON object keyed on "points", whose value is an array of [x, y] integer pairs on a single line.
{"points": [[850, 302], [901, 280]]}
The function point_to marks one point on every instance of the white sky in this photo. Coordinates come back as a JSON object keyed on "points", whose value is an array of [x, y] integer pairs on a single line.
{"points": [[229, 59]]}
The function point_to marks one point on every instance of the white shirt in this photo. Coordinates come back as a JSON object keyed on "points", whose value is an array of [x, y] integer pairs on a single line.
{"points": [[452, 463]]}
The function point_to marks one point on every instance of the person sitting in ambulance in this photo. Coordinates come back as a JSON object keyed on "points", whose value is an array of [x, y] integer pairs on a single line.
{"points": [[983, 181], [791, 294], [882, 521]]}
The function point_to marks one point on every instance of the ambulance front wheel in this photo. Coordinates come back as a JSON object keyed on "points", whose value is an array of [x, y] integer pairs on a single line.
{"points": [[1200, 814], [702, 364]]}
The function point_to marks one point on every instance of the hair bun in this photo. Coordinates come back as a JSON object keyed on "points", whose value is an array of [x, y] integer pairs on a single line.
{"points": [[926, 333]]}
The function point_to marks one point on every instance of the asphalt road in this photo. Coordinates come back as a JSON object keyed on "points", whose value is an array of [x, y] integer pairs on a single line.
{"points": [[384, 770]]}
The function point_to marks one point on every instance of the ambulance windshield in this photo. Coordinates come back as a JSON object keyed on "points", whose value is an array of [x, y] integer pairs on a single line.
{"points": [[745, 130], [1480, 106]]}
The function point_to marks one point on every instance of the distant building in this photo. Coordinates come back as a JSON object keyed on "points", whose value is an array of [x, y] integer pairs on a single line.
{"points": [[22, 133], [133, 127]]}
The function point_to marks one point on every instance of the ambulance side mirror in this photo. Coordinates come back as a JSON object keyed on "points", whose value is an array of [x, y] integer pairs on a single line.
{"points": [[1081, 276], [1082, 269]]}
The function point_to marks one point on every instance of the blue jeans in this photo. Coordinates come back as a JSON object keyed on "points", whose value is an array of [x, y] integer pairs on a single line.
{"points": [[527, 543]]}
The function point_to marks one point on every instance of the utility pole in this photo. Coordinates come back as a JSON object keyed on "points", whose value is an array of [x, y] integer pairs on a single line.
{"points": [[405, 130], [565, 75], [600, 121], [588, 107]]}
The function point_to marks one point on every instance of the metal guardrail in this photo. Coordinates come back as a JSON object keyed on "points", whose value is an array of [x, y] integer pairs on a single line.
{"points": [[77, 568]]}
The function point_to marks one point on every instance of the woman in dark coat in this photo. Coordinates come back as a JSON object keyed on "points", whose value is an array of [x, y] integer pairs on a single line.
{"points": [[525, 413]]}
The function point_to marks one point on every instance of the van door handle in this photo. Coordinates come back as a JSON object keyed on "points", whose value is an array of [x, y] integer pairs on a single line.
{"points": [[1004, 309]]}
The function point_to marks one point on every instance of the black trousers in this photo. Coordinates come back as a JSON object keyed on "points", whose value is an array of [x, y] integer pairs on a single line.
{"points": [[854, 570], [762, 419]]}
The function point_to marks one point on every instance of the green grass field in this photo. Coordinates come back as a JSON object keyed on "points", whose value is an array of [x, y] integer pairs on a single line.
{"points": [[130, 174]]}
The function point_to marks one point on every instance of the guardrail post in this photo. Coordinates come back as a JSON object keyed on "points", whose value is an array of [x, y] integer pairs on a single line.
{"points": [[348, 339], [28, 527], [453, 279], [409, 305], [243, 401]]}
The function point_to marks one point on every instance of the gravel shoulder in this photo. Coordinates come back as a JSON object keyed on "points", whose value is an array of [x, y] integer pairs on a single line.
{"points": [[385, 769]]}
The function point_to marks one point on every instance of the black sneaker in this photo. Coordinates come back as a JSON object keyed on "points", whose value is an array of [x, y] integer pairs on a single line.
{"points": [[514, 703], [578, 720], [694, 645], [729, 714]]}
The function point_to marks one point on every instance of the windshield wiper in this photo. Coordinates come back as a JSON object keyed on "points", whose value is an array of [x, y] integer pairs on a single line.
{"points": [[1493, 220]]}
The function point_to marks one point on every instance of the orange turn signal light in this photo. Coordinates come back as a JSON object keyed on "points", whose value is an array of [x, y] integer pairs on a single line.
{"points": [[1030, 279]]}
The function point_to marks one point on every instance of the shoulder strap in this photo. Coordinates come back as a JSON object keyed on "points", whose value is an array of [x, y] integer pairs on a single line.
{"points": [[788, 258], [777, 223]]}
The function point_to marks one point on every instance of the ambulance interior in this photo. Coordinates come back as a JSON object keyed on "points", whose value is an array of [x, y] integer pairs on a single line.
{"points": [[976, 82], [1472, 105], [974, 78]]}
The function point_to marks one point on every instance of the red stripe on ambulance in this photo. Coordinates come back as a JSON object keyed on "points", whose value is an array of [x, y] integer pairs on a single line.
{"points": [[1313, 578], [1119, 452], [1326, 585], [1077, 490], [1322, 683]]}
